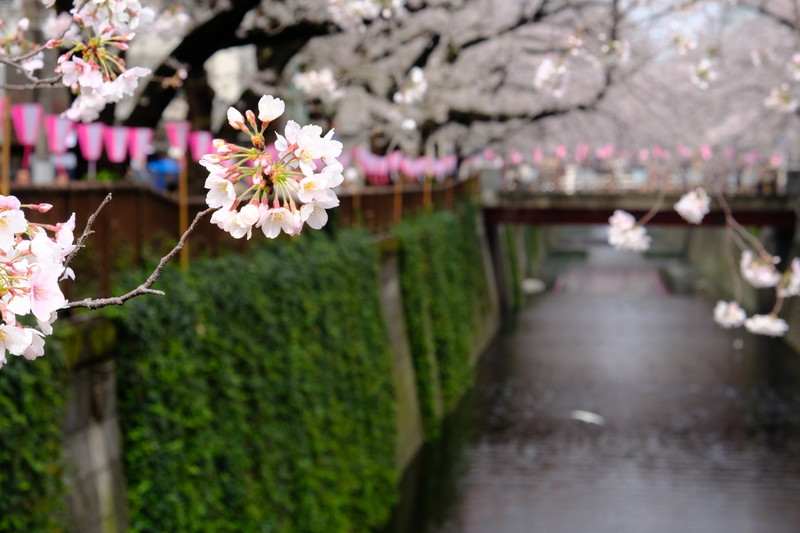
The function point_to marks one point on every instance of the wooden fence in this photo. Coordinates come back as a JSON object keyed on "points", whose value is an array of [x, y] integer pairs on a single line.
{"points": [[140, 224]]}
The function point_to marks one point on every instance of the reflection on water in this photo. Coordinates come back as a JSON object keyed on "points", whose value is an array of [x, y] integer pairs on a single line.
{"points": [[615, 406]]}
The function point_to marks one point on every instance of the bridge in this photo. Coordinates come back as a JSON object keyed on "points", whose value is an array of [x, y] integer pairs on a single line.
{"points": [[538, 208]]}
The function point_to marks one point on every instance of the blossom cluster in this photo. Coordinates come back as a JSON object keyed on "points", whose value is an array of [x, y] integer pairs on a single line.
{"points": [[704, 73], [31, 266], [274, 193], [552, 77], [354, 13], [625, 234], [731, 315], [318, 84], [91, 66], [693, 206], [413, 88], [14, 43]]}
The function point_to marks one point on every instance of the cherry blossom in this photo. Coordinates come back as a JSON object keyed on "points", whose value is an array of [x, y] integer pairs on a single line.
{"points": [[769, 325], [413, 89], [552, 76], [760, 271], [625, 234], [285, 192], [729, 314], [319, 84], [693, 205], [704, 73], [31, 262]]}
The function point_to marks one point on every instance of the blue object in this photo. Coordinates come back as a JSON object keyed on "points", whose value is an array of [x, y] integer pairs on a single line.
{"points": [[162, 169]]}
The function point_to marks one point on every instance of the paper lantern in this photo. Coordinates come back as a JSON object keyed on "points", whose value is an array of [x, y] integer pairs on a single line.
{"points": [[27, 119], [139, 142], [116, 141]]}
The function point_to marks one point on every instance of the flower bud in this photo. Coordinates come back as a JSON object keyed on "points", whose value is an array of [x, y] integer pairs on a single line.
{"points": [[235, 119], [251, 118]]}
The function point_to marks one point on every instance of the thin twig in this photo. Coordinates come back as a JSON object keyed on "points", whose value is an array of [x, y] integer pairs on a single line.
{"points": [[87, 230], [653, 210], [144, 288], [741, 230]]}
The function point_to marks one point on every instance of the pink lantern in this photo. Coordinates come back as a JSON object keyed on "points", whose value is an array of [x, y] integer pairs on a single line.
{"points": [[178, 134], [561, 152], [90, 140], [116, 140], [27, 121], [139, 142], [58, 131], [200, 144], [178, 137], [705, 152], [537, 155]]}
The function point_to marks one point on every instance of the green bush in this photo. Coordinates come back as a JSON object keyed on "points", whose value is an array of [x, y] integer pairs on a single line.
{"points": [[32, 395], [444, 294], [257, 395]]}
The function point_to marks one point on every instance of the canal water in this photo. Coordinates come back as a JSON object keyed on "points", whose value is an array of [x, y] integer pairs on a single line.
{"points": [[614, 405]]}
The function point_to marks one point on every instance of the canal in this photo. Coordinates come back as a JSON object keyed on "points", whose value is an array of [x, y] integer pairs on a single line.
{"points": [[615, 405]]}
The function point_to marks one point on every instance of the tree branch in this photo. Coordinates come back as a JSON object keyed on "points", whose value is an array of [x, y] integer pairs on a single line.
{"points": [[144, 288], [87, 230]]}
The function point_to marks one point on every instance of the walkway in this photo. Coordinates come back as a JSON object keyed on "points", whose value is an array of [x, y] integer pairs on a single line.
{"points": [[615, 407]]}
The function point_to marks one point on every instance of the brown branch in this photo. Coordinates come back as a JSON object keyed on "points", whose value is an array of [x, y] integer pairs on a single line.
{"points": [[144, 288], [87, 230]]}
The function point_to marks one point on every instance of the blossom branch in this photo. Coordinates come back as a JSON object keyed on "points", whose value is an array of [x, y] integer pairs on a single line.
{"points": [[144, 288]]}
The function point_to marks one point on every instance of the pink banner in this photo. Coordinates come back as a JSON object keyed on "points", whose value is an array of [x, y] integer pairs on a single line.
{"points": [[139, 142], [200, 143], [178, 134], [58, 130], [27, 120], [116, 141], [90, 140]]}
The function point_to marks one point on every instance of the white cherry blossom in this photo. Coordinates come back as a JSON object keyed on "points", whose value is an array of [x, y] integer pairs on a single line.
{"points": [[729, 314], [769, 325], [693, 205]]}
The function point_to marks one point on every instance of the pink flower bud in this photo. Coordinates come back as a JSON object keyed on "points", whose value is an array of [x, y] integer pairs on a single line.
{"points": [[43, 208], [251, 118]]}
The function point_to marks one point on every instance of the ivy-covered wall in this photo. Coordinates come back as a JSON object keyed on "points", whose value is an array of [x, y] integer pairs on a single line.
{"points": [[258, 395], [445, 295], [32, 397]]}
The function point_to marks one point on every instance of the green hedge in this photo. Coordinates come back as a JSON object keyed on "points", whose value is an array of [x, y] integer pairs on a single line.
{"points": [[32, 395], [257, 395], [444, 294]]}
